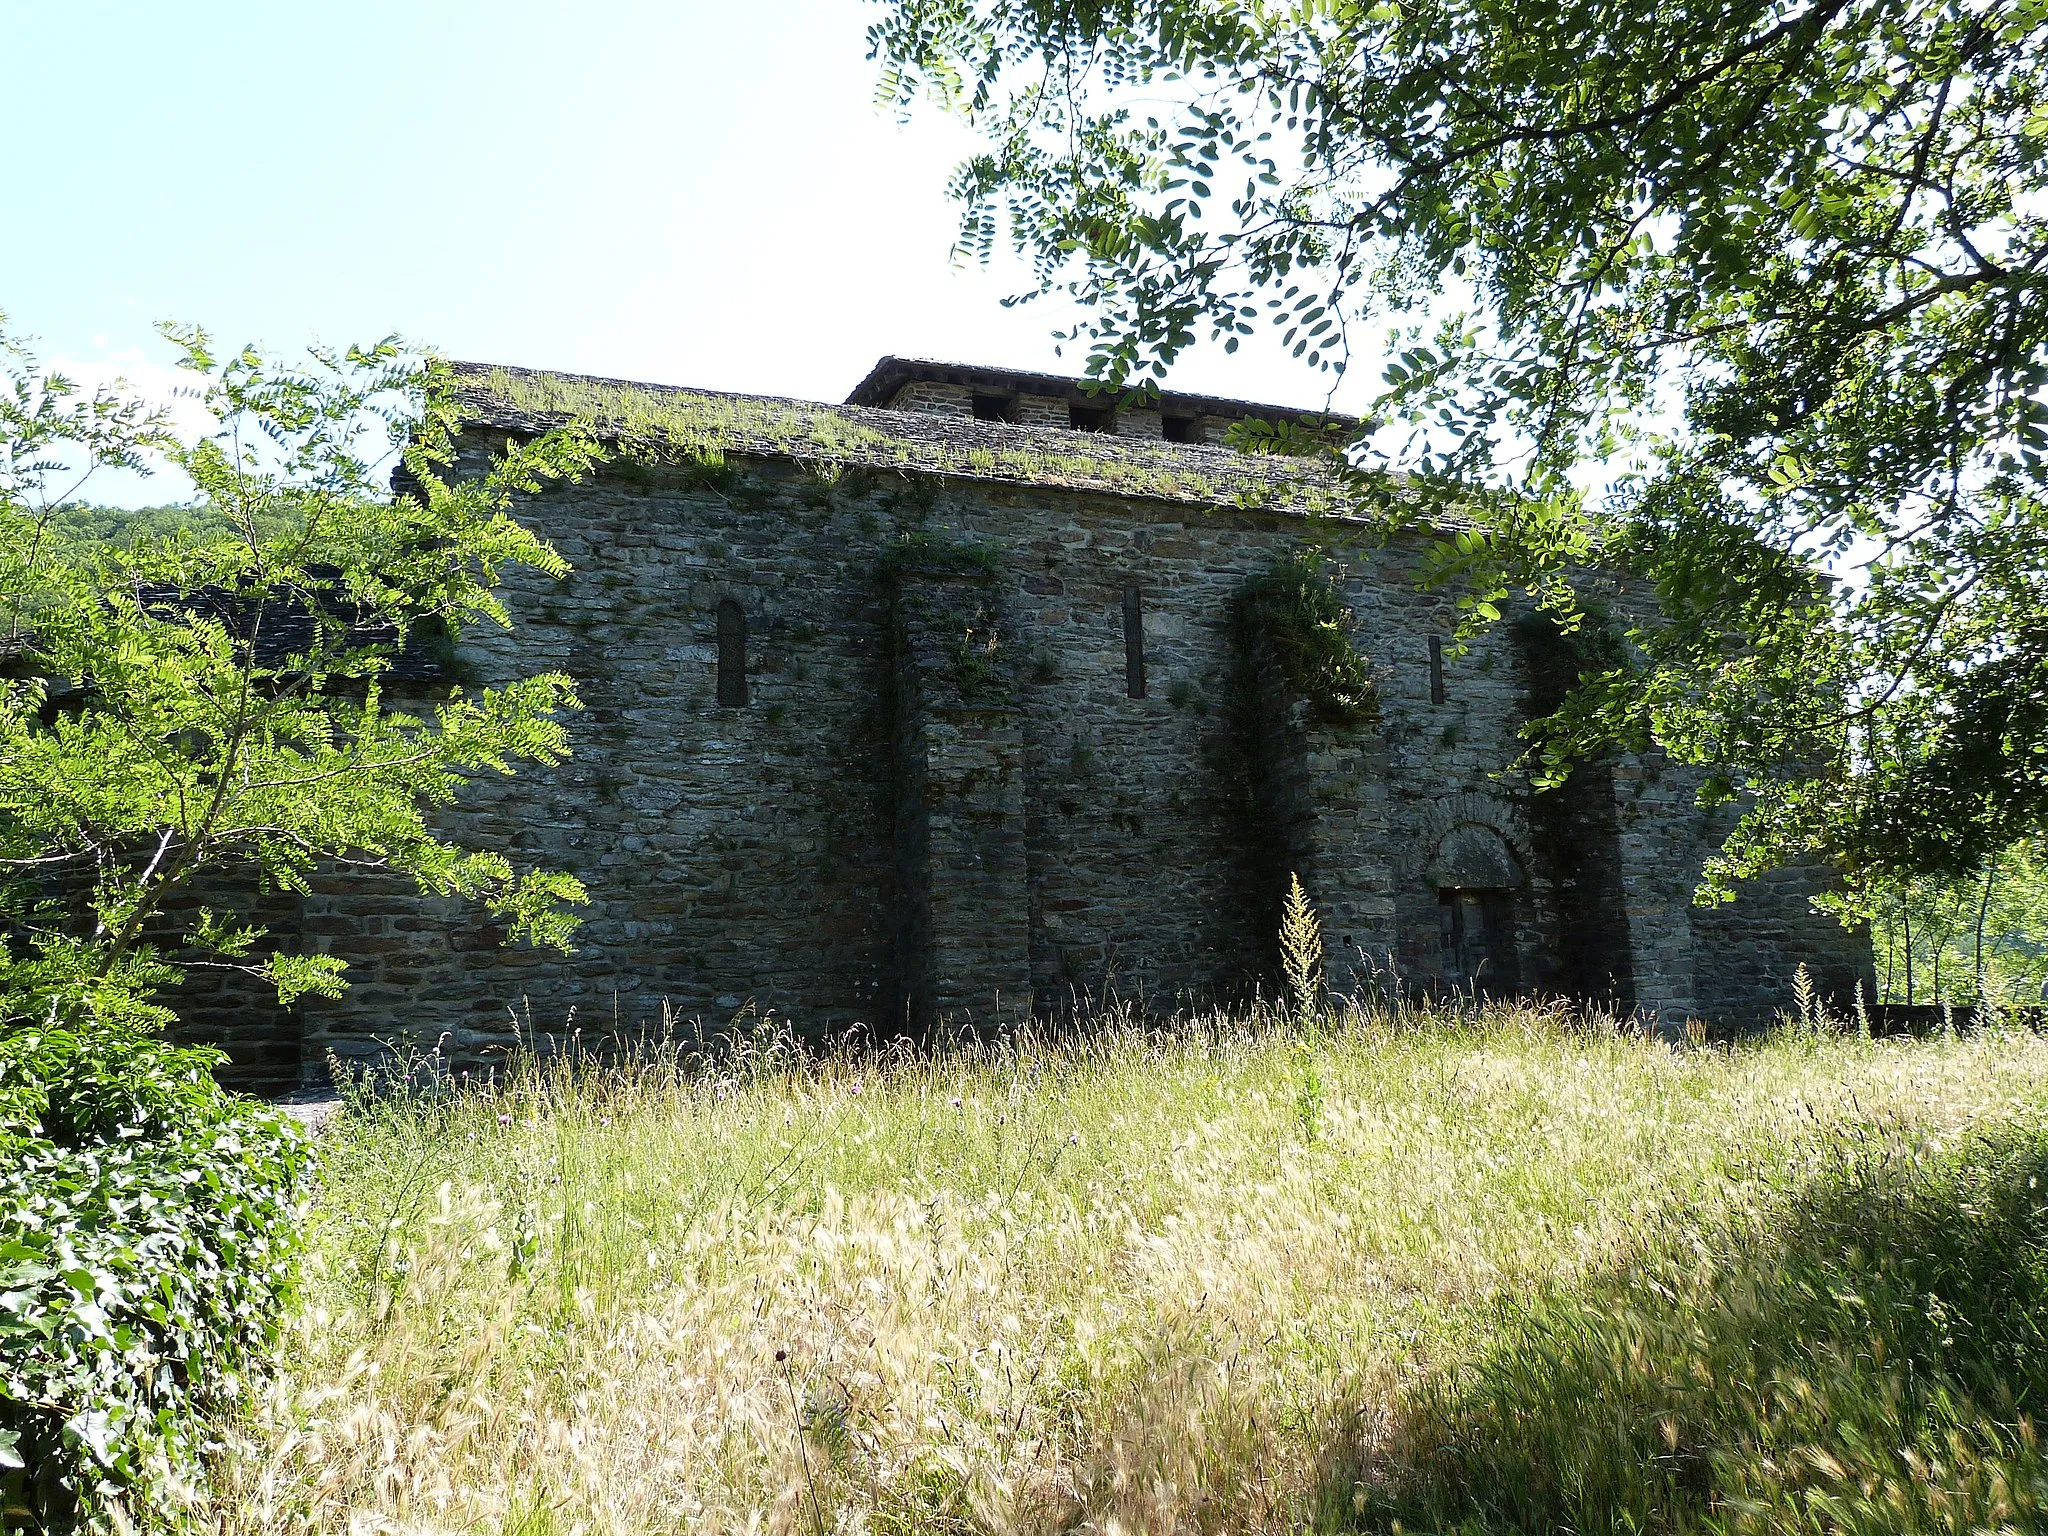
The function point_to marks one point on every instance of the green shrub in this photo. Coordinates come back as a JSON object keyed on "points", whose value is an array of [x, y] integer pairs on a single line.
{"points": [[147, 1242], [1297, 608]]}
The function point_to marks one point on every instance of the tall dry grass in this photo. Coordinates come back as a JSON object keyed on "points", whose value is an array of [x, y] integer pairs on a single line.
{"points": [[1190, 1279]]}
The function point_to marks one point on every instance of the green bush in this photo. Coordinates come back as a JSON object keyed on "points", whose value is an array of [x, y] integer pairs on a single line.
{"points": [[1297, 608], [147, 1243]]}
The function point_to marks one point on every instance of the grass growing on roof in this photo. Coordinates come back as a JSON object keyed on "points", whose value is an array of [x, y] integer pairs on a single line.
{"points": [[692, 423], [1226, 1277]]}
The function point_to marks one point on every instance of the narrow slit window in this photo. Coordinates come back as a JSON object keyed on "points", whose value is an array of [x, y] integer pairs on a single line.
{"points": [[1436, 670], [1134, 641], [732, 654]]}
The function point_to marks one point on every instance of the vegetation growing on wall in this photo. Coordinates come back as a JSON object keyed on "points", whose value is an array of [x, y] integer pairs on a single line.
{"points": [[1295, 609], [925, 549], [978, 654], [965, 613]]}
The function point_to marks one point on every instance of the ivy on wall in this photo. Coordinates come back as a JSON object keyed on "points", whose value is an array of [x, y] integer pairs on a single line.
{"points": [[1296, 609], [967, 611], [926, 550]]}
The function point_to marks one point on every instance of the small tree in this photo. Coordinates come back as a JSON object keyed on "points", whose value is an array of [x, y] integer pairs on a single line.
{"points": [[209, 700]]}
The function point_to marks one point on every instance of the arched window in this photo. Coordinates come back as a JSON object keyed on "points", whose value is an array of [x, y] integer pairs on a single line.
{"points": [[732, 653], [1134, 641]]}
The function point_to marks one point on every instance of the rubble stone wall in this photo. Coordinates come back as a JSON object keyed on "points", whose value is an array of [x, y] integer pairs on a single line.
{"points": [[941, 804]]}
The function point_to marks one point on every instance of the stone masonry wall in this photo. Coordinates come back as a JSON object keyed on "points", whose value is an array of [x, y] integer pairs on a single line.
{"points": [[1748, 951], [894, 829], [962, 866], [1319, 813], [736, 857], [935, 398]]}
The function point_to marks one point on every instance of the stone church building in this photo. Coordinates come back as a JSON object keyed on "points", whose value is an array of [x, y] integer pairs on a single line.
{"points": [[943, 708]]}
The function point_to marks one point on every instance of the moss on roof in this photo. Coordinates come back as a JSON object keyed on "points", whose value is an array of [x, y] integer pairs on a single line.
{"points": [[678, 424]]}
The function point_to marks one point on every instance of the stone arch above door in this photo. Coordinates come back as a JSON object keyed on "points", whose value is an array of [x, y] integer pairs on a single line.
{"points": [[1469, 862], [1490, 813], [1474, 857]]}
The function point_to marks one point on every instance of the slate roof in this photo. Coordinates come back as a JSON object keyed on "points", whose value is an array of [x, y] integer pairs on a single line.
{"points": [[283, 625], [688, 422]]}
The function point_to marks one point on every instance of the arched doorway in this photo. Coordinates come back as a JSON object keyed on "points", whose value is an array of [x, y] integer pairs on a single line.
{"points": [[1475, 874]]}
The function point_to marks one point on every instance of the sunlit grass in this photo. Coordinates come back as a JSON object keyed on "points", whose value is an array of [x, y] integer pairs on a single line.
{"points": [[1218, 1277]]}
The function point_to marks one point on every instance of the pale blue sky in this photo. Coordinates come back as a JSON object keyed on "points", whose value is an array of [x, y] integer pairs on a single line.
{"points": [[694, 193]]}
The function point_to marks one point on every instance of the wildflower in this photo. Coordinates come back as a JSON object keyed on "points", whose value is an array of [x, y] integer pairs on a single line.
{"points": [[956, 1101], [504, 1119]]}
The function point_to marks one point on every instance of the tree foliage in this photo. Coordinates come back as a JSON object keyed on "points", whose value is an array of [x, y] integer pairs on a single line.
{"points": [[203, 699], [1781, 267], [1294, 607], [1961, 938]]}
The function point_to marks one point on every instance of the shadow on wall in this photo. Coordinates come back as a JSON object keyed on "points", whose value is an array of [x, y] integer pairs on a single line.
{"points": [[1864, 1354]]}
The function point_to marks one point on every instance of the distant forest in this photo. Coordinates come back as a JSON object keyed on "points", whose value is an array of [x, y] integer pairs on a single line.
{"points": [[85, 524]]}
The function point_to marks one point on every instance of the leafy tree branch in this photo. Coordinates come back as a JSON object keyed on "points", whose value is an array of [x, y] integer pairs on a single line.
{"points": [[208, 706], [1776, 273]]}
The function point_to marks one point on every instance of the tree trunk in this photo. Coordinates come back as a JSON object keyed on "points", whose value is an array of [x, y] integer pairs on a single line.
{"points": [[1906, 917], [1890, 945], [1983, 911]]}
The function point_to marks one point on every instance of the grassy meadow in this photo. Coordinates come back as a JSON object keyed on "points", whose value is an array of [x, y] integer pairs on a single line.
{"points": [[1416, 1272]]}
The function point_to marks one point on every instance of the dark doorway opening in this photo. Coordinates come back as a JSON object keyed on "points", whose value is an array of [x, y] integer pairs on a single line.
{"points": [[1478, 930]]}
